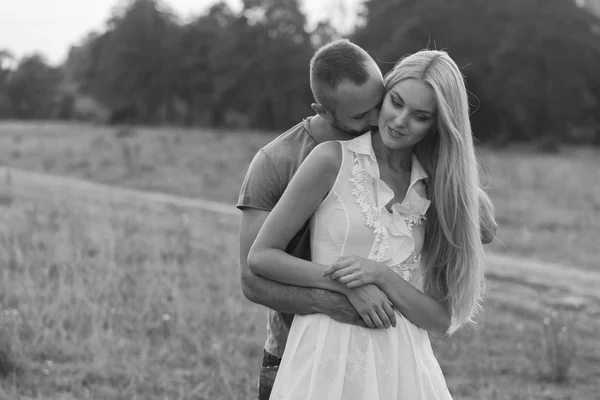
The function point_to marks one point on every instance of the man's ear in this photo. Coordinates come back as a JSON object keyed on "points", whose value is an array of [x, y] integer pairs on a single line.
{"points": [[319, 109], [322, 111]]}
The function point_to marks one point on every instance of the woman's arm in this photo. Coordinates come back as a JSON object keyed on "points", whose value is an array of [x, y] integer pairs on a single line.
{"points": [[307, 189], [286, 298], [426, 312]]}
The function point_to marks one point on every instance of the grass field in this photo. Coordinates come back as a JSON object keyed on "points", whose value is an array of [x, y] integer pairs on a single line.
{"points": [[548, 206], [105, 302]]}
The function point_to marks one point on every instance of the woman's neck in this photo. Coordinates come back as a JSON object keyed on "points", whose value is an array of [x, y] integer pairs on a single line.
{"points": [[394, 159]]}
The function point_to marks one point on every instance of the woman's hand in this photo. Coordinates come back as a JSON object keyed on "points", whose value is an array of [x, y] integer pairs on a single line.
{"points": [[373, 305], [354, 271]]}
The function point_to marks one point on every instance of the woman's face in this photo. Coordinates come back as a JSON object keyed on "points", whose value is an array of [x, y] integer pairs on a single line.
{"points": [[408, 114]]}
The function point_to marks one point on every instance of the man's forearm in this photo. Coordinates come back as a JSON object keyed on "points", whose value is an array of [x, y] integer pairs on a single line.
{"points": [[291, 299]]}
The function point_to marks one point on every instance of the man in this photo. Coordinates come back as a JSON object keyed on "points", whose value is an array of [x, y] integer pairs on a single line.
{"points": [[348, 87]]}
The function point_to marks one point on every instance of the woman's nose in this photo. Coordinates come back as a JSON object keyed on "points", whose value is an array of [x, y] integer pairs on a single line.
{"points": [[401, 119]]}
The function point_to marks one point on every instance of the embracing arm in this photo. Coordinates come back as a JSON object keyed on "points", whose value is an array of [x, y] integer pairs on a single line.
{"points": [[284, 298], [426, 312], [302, 197], [267, 257]]}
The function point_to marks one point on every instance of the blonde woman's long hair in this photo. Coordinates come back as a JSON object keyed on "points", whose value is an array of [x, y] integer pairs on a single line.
{"points": [[452, 255]]}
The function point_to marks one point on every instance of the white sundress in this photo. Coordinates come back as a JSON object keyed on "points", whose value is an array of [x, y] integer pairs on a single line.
{"points": [[328, 360]]}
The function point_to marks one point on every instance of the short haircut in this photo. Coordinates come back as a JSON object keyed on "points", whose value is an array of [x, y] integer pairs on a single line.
{"points": [[333, 63]]}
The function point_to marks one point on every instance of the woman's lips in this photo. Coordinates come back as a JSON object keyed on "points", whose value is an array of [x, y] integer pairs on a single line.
{"points": [[395, 133]]}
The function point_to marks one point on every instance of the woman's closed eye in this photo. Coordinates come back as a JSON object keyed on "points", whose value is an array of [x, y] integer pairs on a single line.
{"points": [[398, 103]]}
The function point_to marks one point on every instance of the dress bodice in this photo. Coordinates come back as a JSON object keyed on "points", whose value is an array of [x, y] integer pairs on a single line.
{"points": [[353, 218]]}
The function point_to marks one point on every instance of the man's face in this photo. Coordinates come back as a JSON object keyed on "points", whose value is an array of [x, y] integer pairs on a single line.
{"points": [[357, 107]]}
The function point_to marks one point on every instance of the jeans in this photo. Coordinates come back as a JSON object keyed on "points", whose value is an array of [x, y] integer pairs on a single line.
{"points": [[268, 372]]}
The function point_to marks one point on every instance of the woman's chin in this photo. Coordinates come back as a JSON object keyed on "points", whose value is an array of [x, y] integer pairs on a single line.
{"points": [[392, 142]]}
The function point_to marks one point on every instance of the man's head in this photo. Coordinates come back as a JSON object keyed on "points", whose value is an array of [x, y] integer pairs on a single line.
{"points": [[347, 85]]}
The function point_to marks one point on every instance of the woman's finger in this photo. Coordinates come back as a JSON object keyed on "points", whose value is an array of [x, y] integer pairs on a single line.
{"points": [[341, 262], [335, 267], [340, 273], [348, 278], [354, 283], [329, 270]]}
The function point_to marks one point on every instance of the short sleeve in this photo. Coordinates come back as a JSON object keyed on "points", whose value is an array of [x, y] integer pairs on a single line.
{"points": [[262, 187]]}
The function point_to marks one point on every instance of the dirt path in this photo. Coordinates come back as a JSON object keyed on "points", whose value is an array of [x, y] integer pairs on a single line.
{"points": [[571, 284]]}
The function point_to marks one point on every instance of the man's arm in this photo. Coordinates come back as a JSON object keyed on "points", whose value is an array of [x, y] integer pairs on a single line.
{"points": [[281, 297], [486, 218]]}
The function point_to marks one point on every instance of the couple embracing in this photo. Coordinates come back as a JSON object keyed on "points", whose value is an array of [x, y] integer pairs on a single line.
{"points": [[363, 228]]}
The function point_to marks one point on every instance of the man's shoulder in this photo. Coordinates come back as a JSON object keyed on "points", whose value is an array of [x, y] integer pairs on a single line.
{"points": [[296, 141], [273, 167]]}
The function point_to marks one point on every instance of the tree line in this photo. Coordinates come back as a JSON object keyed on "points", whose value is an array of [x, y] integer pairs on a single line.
{"points": [[531, 65]]}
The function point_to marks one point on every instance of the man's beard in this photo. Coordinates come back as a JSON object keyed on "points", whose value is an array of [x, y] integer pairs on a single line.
{"points": [[352, 132]]}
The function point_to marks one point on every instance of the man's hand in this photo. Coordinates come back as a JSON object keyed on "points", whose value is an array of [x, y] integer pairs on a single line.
{"points": [[373, 305], [339, 308]]}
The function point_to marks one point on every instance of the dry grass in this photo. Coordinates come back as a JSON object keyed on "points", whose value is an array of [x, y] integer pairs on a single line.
{"points": [[548, 206], [207, 164], [102, 303], [106, 302], [116, 303]]}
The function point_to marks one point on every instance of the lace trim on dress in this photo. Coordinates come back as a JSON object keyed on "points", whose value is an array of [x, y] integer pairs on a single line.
{"points": [[406, 267], [412, 220], [363, 193]]}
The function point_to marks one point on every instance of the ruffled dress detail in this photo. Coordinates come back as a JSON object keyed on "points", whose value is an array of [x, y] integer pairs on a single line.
{"points": [[326, 359]]}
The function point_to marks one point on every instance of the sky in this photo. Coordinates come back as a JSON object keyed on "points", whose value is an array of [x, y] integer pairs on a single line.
{"points": [[50, 27]]}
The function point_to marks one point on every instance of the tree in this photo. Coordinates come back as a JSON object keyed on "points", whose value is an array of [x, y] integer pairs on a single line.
{"points": [[130, 65], [324, 33], [529, 78], [273, 51], [6, 69], [32, 88], [148, 65], [6, 61], [201, 62]]}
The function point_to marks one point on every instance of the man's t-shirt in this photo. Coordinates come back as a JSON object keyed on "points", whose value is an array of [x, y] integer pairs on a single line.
{"points": [[269, 174]]}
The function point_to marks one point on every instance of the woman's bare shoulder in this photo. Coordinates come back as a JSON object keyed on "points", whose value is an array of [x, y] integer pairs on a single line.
{"points": [[328, 155]]}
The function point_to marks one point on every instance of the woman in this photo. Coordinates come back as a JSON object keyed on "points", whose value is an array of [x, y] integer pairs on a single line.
{"points": [[396, 208]]}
